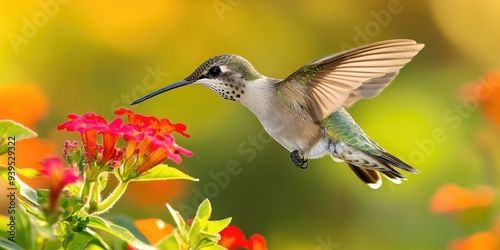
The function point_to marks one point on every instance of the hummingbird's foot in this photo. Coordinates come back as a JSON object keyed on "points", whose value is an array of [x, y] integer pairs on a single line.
{"points": [[299, 159]]}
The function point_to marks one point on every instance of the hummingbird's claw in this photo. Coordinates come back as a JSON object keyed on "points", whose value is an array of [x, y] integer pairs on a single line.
{"points": [[299, 159]]}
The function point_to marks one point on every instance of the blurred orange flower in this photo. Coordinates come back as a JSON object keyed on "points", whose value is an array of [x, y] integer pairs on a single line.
{"points": [[490, 105], [26, 104], [487, 95], [486, 240], [478, 241], [166, 191], [452, 198], [154, 229]]}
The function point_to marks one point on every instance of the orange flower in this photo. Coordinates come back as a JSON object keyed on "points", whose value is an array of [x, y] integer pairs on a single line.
{"points": [[452, 198], [487, 94], [135, 192], [486, 240], [154, 229], [478, 241], [26, 104], [491, 104]]}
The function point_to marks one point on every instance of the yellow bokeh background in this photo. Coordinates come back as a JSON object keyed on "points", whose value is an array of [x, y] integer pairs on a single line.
{"points": [[97, 56]]}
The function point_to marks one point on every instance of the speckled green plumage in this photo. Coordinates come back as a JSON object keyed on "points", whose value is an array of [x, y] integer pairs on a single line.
{"points": [[342, 128]]}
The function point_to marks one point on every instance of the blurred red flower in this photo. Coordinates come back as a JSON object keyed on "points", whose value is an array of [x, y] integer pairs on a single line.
{"points": [[58, 176], [233, 238], [452, 198]]}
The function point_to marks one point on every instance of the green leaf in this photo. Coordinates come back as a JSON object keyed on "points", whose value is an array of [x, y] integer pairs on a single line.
{"points": [[181, 234], [23, 189], [214, 247], [11, 129], [199, 223], [26, 233], [214, 227], [81, 241], [204, 210], [43, 195], [194, 232], [28, 172], [213, 238], [70, 202], [4, 226], [127, 223], [179, 221], [103, 181], [7, 244], [168, 243], [120, 232], [98, 237], [208, 242], [163, 172], [35, 211]]}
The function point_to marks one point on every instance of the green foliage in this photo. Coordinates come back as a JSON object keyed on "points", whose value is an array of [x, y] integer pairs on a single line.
{"points": [[72, 224], [163, 172], [15, 130], [26, 192], [118, 231], [202, 233], [7, 244], [81, 241]]}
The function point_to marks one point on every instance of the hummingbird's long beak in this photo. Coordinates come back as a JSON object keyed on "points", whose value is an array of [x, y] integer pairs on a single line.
{"points": [[164, 89]]}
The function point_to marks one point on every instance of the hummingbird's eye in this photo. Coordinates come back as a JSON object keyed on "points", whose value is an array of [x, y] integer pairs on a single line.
{"points": [[214, 71]]}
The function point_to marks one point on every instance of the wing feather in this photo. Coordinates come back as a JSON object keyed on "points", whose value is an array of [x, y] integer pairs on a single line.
{"points": [[344, 78]]}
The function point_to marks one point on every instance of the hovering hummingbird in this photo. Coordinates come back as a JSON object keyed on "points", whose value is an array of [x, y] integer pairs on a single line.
{"points": [[306, 113]]}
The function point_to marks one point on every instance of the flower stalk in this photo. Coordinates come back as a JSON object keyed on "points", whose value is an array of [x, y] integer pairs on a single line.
{"points": [[113, 197]]}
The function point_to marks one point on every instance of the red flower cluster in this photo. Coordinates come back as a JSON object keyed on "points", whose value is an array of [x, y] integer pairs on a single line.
{"points": [[233, 238], [152, 140], [149, 139]]}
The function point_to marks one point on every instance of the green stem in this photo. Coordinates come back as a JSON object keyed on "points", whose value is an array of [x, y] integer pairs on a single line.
{"points": [[44, 244], [86, 189], [94, 198], [113, 197]]}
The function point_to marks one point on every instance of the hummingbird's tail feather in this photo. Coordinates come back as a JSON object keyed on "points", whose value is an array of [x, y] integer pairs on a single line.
{"points": [[369, 165], [392, 160], [368, 176], [372, 177]]}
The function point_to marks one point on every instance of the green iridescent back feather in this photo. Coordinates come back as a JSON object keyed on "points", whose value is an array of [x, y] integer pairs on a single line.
{"points": [[342, 128]]}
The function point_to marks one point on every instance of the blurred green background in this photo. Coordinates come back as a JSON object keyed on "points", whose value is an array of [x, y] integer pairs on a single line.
{"points": [[97, 56]]}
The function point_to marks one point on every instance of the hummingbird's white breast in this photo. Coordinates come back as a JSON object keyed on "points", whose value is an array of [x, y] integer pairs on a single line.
{"points": [[288, 128]]}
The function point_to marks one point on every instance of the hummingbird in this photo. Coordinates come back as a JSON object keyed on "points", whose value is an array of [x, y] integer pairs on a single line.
{"points": [[306, 112]]}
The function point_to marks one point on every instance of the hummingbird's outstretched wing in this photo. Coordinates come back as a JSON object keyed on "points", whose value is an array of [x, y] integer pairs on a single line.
{"points": [[324, 85], [370, 88]]}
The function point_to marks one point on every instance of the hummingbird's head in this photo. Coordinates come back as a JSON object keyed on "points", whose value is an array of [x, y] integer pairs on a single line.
{"points": [[226, 75]]}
